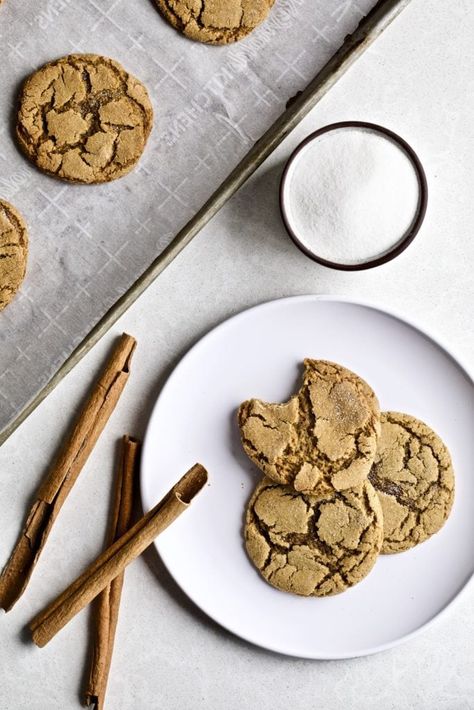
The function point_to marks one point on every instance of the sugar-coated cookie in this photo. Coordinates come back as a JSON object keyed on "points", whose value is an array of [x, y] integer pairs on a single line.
{"points": [[313, 546], [413, 476], [83, 118], [215, 21], [323, 439], [13, 252]]}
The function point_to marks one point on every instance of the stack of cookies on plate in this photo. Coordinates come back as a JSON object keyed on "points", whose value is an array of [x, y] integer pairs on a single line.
{"points": [[342, 482]]}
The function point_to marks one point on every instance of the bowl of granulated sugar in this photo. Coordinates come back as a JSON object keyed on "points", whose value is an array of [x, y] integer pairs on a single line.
{"points": [[353, 195]]}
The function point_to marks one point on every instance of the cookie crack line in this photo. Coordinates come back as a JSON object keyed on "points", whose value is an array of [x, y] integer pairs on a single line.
{"points": [[265, 533], [200, 13], [416, 435], [386, 486], [263, 420], [257, 454], [8, 245]]}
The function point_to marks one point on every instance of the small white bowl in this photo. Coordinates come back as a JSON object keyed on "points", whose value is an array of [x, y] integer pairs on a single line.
{"points": [[405, 239]]}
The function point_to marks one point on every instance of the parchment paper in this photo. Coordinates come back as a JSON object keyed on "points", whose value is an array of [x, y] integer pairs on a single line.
{"points": [[88, 244]]}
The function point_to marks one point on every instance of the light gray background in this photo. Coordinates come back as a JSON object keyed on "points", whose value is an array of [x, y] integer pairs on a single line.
{"points": [[418, 80], [88, 244]]}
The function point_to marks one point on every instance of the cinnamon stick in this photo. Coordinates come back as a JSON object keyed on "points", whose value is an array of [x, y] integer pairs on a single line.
{"points": [[108, 601], [114, 560], [55, 489]]}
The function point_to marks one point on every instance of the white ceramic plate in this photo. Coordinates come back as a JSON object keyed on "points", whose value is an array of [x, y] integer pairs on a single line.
{"points": [[258, 354]]}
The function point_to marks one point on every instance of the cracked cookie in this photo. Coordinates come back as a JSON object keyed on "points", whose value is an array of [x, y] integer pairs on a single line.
{"points": [[414, 479], [13, 252], [83, 118], [313, 546], [215, 21], [323, 439]]}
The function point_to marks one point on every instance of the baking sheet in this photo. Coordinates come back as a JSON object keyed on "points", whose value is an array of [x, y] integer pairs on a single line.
{"points": [[88, 244]]}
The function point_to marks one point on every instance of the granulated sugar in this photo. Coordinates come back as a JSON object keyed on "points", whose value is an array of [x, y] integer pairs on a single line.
{"points": [[351, 195]]}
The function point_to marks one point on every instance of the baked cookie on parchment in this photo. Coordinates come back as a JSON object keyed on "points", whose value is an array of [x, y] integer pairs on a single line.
{"points": [[323, 439], [413, 476], [83, 118], [313, 546], [215, 21], [13, 252]]}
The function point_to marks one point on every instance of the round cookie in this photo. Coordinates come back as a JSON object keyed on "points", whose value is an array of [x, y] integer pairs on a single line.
{"points": [[414, 479], [83, 118], [313, 546], [215, 21], [323, 439], [13, 252]]}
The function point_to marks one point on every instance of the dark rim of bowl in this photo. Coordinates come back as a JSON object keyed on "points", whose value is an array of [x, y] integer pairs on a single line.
{"points": [[417, 219]]}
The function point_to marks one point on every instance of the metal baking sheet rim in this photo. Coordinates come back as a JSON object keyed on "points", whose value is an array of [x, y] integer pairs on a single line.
{"points": [[354, 45]]}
